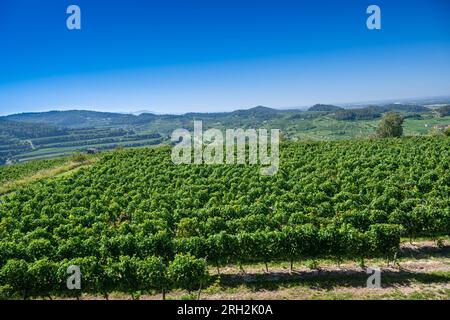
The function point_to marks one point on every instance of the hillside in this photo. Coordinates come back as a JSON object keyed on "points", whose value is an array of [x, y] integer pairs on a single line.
{"points": [[30, 136], [134, 211], [444, 111], [324, 108], [73, 118]]}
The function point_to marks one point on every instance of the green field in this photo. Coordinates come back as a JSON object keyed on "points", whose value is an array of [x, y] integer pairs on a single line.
{"points": [[139, 225], [47, 135]]}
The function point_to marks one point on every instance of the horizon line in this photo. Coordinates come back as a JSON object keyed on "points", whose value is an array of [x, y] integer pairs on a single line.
{"points": [[300, 108]]}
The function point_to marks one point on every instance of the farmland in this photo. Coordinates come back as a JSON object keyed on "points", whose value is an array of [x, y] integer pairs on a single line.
{"points": [[34, 136], [137, 224], [11, 173]]}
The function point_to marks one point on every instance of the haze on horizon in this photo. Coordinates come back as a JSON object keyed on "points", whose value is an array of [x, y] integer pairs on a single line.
{"points": [[206, 56]]}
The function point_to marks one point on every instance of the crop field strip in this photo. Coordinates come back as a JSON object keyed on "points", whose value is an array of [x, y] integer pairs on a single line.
{"points": [[26, 137], [24, 174], [38, 145]]}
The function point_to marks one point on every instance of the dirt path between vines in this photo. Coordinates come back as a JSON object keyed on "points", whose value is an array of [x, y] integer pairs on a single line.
{"points": [[423, 272], [424, 256]]}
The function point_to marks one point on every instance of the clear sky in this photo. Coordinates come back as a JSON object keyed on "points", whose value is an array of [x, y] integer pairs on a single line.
{"points": [[176, 56]]}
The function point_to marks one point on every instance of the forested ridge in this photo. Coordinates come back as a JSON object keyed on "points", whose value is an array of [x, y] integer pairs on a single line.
{"points": [[134, 221]]}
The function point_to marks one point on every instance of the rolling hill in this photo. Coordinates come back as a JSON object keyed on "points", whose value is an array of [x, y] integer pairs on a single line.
{"points": [[42, 135]]}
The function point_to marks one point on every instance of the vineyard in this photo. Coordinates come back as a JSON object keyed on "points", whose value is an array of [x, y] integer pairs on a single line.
{"points": [[135, 222], [11, 173]]}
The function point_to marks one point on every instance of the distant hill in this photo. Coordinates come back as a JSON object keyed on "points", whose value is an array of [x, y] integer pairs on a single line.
{"points": [[27, 130], [94, 119], [44, 135], [374, 112], [404, 108], [260, 112], [325, 108], [64, 118], [80, 118], [256, 111]]}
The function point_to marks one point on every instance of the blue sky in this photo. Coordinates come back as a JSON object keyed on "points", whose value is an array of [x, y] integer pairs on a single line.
{"points": [[176, 56]]}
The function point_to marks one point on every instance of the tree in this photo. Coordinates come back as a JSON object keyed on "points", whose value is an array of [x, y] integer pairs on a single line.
{"points": [[390, 126]]}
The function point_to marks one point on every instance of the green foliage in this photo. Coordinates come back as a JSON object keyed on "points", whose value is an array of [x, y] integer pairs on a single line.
{"points": [[367, 113], [152, 274], [15, 172], [324, 108], [79, 157], [390, 126], [28, 130], [15, 275], [43, 277], [187, 272], [53, 134], [135, 222], [384, 239], [374, 112]]}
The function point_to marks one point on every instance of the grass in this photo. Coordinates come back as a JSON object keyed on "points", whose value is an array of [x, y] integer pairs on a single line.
{"points": [[426, 250], [415, 126], [400, 285], [47, 173], [14, 172], [328, 283]]}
